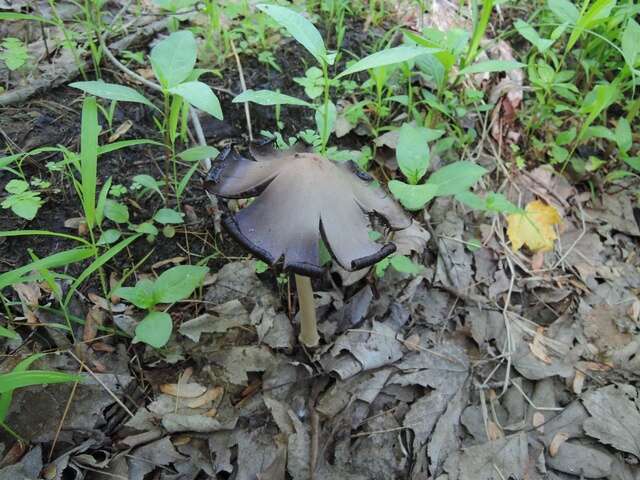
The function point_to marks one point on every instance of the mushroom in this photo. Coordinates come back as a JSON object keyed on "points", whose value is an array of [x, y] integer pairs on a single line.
{"points": [[303, 197]]}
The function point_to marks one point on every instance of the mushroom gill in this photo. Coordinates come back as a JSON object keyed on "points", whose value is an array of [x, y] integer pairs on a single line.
{"points": [[301, 198]]}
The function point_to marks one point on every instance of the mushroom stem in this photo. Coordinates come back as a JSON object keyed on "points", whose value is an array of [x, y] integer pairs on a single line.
{"points": [[308, 328]]}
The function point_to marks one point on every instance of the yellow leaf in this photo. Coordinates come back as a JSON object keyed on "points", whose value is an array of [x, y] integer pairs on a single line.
{"points": [[534, 227]]}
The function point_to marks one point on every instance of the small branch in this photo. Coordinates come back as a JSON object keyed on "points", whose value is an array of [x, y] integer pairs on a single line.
{"points": [[247, 112]]}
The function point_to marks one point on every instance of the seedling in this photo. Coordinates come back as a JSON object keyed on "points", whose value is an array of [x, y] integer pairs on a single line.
{"points": [[302, 198], [173, 285], [22, 201]]}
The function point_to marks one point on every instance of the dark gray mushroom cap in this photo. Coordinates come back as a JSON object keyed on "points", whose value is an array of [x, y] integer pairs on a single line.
{"points": [[303, 197]]}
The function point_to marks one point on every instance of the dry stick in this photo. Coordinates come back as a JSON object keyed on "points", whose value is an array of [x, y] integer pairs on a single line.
{"points": [[247, 112], [308, 326], [95, 377], [64, 415], [68, 73]]}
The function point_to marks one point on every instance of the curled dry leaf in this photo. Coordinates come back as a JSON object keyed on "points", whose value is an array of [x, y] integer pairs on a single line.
{"points": [[578, 382], [94, 320], [538, 421], [120, 131], [187, 390], [534, 227], [413, 342], [211, 395], [558, 439], [537, 347], [29, 295], [494, 432]]}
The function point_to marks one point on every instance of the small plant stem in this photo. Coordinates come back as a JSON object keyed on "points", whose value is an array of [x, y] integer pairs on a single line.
{"points": [[325, 113], [308, 326]]}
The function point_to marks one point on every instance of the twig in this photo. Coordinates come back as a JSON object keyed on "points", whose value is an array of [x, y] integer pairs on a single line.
{"points": [[247, 112], [95, 377], [64, 414]]}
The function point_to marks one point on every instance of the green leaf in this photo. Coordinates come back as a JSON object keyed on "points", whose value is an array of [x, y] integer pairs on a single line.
{"points": [[147, 228], [269, 97], [631, 42], [565, 10], [200, 96], [13, 380], [111, 91], [16, 186], [109, 236], [15, 53], [178, 283], [404, 264], [633, 162], [6, 333], [115, 211], [492, 66], [299, 28], [25, 204], [493, 202], [455, 178], [412, 197], [141, 295], [196, 154], [166, 215], [261, 266], [390, 56], [566, 137], [53, 261], [155, 329], [89, 131], [111, 147], [412, 152], [623, 135], [528, 32], [147, 181], [382, 266], [174, 57]]}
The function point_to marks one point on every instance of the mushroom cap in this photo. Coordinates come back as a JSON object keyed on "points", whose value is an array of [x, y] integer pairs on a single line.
{"points": [[301, 198]]}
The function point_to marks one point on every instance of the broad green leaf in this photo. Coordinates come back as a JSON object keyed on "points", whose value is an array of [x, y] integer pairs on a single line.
{"points": [[623, 135], [109, 236], [631, 42], [111, 91], [412, 197], [566, 137], [492, 66], [528, 32], [390, 56], [16, 186], [102, 198], [404, 264], [174, 57], [25, 205], [412, 152], [147, 228], [269, 97], [115, 211], [141, 295], [196, 154], [166, 215], [200, 96], [155, 329], [633, 162], [596, 101], [299, 28], [11, 381], [493, 202], [178, 283], [147, 181], [455, 178], [565, 10]]}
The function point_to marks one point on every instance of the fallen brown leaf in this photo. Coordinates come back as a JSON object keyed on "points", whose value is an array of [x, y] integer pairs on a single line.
{"points": [[558, 439]]}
